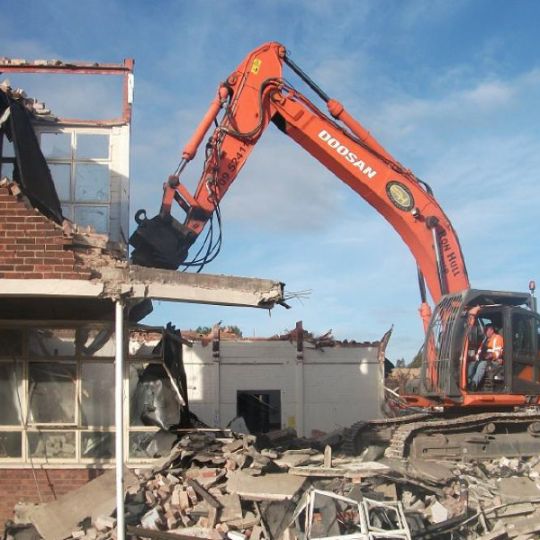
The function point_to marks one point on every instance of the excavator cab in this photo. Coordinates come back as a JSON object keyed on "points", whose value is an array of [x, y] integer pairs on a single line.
{"points": [[455, 335]]}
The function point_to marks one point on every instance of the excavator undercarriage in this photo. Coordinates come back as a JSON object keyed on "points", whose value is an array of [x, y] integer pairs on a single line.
{"points": [[463, 437]]}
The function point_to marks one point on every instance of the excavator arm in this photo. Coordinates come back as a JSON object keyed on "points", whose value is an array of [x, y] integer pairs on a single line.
{"points": [[256, 94]]}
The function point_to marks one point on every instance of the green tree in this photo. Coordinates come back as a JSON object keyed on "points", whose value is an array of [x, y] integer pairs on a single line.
{"points": [[204, 330]]}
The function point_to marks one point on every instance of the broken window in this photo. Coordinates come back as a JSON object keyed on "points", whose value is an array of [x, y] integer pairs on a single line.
{"points": [[96, 445], [97, 394], [154, 408], [11, 341], [153, 399], [52, 342], [10, 444], [10, 393], [52, 444], [97, 342], [57, 394], [51, 388]]}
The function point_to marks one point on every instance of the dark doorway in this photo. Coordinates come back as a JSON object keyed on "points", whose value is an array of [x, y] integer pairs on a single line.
{"points": [[261, 409]]}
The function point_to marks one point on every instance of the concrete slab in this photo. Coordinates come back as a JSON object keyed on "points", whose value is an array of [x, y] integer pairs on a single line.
{"points": [[141, 282], [56, 520], [270, 487], [138, 283], [43, 288], [517, 488]]}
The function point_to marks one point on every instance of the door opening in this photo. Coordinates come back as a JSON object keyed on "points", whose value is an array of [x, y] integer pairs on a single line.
{"points": [[261, 409]]}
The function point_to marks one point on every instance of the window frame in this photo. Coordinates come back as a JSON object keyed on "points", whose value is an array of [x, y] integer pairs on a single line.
{"points": [[79, 358], [69, 206]]}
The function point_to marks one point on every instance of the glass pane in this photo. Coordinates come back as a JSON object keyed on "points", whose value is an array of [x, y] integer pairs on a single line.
{"points": [[92, 182], [7, 147], [97, 400], [51, 444], [522, 335], [153, 401], [51, 388], [52, 342], [8, 170], [10, 342], [97, 445], [96, 341], [61, 175], [10, 444], [67, 211], [10, 393], [92, 146], [56, 145], [142, 444], [94, 216]]}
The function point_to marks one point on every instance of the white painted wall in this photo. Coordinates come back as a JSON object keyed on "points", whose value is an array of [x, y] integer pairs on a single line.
{"points": [[328, 389]]}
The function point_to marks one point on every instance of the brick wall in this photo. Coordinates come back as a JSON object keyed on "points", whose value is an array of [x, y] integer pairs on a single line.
{"points": [[32, 246], [20, 485]]}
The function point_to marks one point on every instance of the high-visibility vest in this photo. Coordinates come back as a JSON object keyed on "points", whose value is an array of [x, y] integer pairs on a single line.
{"points": [[494, 345]]}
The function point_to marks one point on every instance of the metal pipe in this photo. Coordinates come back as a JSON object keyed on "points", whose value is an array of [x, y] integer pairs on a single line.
{"points": [[422, 286], [299, 379], [307, 79], [119, 418], [438, 258]]}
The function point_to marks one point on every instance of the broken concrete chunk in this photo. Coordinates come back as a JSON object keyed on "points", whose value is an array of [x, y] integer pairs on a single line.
{"points": [[235, 535], [272, 487], [56, 520], [231, 507], [153, 519], [431, 471], [293, 460], [517, 489], [438, 512], [103, 523]]}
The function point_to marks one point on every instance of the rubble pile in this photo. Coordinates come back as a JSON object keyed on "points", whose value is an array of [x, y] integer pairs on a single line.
{"points": [[218, 485]]}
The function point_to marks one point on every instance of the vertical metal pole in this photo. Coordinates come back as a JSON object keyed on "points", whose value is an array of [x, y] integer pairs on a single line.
{"points": [[299, 379], [119, 418]]}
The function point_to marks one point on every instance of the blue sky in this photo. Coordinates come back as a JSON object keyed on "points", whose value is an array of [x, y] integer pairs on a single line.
{"points": [[451, 88]]}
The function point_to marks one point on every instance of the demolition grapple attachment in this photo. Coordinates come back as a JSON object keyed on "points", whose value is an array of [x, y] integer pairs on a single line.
{"points": [[160, 242]]}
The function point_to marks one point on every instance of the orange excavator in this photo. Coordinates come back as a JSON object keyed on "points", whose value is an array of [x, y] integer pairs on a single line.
{"points": [[497, 416]]}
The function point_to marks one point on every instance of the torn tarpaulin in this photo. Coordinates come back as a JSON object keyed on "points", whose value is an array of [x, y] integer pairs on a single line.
{"points": [[160, 396], [31, 171]]}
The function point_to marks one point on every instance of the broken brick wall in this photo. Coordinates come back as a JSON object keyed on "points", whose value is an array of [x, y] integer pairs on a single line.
{"points": [[32, 246], [38, 485]]}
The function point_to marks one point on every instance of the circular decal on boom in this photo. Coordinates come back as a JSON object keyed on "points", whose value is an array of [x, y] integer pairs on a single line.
{"points": [[400, 195]]}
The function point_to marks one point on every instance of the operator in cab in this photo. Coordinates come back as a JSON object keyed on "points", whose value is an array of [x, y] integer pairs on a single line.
{"points": [[490, 350]]}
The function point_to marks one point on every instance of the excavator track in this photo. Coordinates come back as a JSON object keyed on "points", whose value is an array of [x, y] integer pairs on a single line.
{"points": [[433, 436], [352, 436], [477, 430]]}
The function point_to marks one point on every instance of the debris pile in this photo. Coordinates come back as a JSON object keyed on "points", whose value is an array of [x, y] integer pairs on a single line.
{"points": [[218, 485]]}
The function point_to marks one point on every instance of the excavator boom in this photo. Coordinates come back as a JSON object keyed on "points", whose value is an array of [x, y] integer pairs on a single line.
{"points": [[256, 94]]}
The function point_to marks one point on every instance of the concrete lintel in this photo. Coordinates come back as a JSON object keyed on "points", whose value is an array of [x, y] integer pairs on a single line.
{"points": [[140, 282], [51, 287]]}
